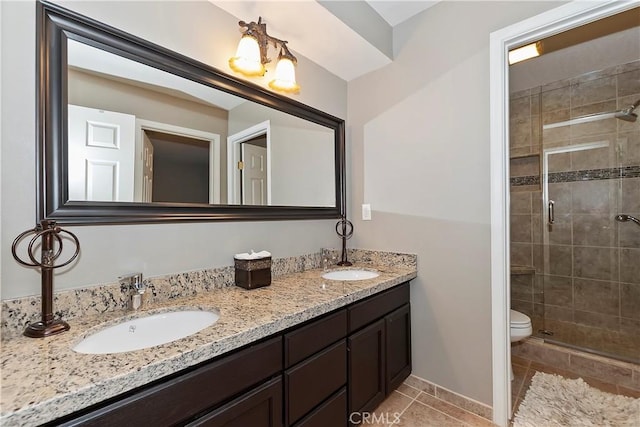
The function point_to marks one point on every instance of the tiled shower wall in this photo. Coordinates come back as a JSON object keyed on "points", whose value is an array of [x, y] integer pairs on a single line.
{"points": [[584, 284]]}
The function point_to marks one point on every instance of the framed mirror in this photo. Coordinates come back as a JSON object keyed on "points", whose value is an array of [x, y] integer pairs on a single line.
{"points": [[131, 132]]}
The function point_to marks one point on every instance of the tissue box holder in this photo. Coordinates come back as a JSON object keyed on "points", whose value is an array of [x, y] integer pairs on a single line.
{"points": [[253, 273]]}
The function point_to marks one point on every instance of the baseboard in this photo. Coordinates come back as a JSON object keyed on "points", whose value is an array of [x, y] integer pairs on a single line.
{"points": [[442, 393]]}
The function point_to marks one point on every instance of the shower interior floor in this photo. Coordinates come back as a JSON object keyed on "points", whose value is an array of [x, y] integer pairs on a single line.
{"points": [[533, 355]]}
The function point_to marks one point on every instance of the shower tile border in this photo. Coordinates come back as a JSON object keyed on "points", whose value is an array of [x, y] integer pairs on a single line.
{"points": [[581, 175], [595, 174], [519, 181]]}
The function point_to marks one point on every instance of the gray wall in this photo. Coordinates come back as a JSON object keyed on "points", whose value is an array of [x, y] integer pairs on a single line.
{"points": [[419, 131], [199, 30], [424, 118]]}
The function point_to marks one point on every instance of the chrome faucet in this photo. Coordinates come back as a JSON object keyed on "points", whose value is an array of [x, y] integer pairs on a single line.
{"points": [[135, 287]]}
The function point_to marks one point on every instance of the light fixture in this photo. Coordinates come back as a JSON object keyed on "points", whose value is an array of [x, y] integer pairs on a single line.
{"points": [[247, 59], [251, 57], [525, 52]]}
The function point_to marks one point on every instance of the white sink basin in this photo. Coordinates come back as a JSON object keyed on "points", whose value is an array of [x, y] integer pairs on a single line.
{"points": [[350, 275], [147, 331]]}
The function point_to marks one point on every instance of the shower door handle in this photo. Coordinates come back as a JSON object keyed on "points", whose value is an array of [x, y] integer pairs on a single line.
{"points": [[551, 211], [625, 218]]}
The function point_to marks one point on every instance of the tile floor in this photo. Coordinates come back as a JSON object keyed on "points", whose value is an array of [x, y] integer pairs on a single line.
{"points": [[411, 407]]}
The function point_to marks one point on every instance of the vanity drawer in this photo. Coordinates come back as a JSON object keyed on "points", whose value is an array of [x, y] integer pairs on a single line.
{"points": [[365, 312], [259, 407], [309, 383], [332, 413], [310, 339], [180, 398]]}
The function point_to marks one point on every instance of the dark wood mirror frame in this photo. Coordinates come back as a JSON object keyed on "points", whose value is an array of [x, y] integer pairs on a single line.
{"points": [[55, 25]]}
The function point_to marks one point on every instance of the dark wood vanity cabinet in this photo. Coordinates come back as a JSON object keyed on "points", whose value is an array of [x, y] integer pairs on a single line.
{"points": [[312, 375], [360, 370], [187, 396], [379, 347], [316, 369]]}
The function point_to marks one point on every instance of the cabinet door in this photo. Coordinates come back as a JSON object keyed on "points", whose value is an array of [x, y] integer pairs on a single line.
{"points": [[367, 368], [398, 346], [261, 407]]}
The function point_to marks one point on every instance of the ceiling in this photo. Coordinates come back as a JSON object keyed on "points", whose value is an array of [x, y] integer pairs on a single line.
{"points": [[395, 12], [360, 27], [363, 29]]}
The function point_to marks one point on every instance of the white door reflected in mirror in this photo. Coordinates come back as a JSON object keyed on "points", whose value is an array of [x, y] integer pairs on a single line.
{"points": [[254, 174], [249, 165], [101, 155]]}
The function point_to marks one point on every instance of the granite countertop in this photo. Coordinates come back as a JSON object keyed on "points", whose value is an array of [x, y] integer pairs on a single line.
{"points": [[43, 379]]}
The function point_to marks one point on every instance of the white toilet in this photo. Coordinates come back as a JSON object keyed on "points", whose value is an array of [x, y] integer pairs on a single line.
{"points": [[520, 328]]}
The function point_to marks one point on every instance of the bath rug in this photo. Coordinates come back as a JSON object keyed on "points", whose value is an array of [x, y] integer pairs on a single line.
{"points": [[554, 401]]}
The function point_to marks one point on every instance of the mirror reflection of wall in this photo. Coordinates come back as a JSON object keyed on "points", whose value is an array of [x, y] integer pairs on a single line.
{"points": [[298, 166], [302, 155], [108, 95]]}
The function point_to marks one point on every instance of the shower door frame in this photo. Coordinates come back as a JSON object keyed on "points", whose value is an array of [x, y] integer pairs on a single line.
{"points": [[548, 222], [546, 24]]}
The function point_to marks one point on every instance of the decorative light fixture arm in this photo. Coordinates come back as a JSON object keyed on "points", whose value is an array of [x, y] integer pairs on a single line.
{"points": [[259, 32]]}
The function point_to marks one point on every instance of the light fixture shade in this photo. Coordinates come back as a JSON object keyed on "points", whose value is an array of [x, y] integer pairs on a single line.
{"points": [[285, 79], [247, 59]]}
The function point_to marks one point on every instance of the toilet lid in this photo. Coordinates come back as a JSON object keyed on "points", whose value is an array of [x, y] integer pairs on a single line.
{"points": [[518, 319]]}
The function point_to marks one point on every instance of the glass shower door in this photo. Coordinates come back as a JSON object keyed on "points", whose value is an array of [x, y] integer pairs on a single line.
{"points": [[589, 258]]}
